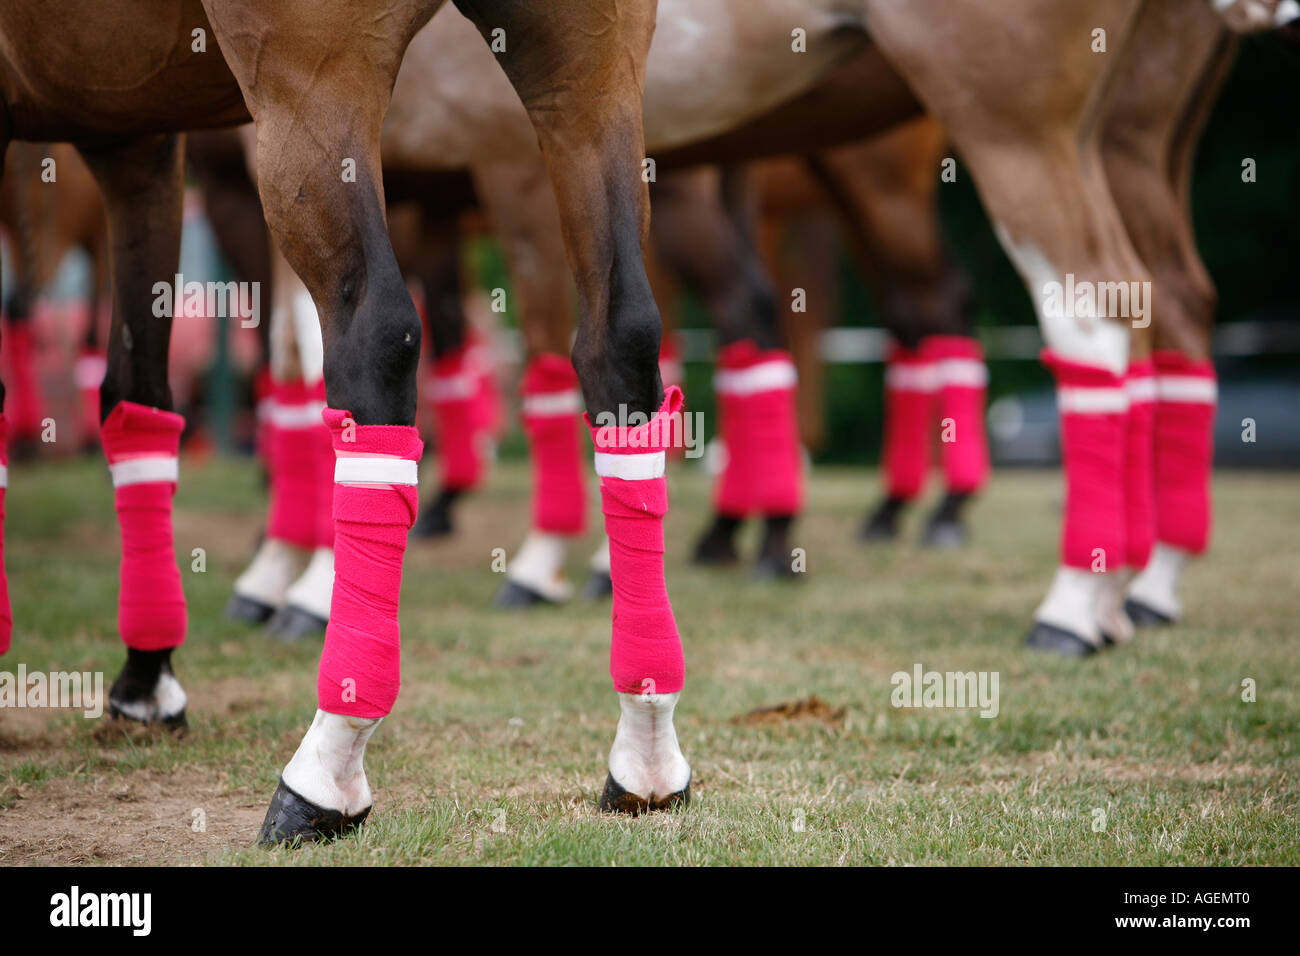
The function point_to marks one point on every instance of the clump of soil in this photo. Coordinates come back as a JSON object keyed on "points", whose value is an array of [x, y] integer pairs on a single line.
{"points": [[810, 708]]}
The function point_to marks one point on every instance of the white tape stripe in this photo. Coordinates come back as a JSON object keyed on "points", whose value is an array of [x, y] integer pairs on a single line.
{"points": [[763, 377], [1187, 388], [965, 373], [139, 471], [296, 416], [912, 378], [630, 467], [453, 388], [1091, 401], [382, 470], [4, 476], [1142, 389], [552, 404]]}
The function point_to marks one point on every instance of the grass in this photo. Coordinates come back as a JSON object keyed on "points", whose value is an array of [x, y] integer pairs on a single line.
{"points": [[496, 750]]}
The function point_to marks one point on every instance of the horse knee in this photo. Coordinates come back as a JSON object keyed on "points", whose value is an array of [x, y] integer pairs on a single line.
{"points": [[619, 365], [371, 358]]}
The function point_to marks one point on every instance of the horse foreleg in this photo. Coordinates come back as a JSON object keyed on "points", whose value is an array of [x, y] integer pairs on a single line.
{"points": [[584, 99], [6, 613], [318, 169], [142, 181]]}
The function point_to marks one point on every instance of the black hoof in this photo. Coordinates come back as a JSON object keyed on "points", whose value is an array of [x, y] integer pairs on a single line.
{"points": [[614, 799], [291, 624], [717, 546], [291, 818], [435, 517], [774, 567], [599, 585], [944, 535], [1057, 640], [882, 524], [1143, 615], [514, 597], [240, 608]]}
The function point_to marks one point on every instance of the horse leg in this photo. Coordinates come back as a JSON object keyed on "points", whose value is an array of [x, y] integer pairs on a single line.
{"points": [[521, 204], [319, 177], [702, 230], [885, 190], [584, 100], [455, 384], [1164, 97], [141, 181], [6, 612], [1031, 143]]}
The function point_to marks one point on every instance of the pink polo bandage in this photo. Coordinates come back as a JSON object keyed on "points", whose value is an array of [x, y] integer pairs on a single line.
{"points": [[758, 425], [1186, 398], [142, 447], [322, 470], [6, 615], [1094, 421], [88, 373], [911, 387], [963, 379], [375, 503], [454, 387], [1139, 463], [552, 403], [645, 654], [293, 430]]}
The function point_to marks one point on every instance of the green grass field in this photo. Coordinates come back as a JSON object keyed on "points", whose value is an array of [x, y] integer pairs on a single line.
{"points": [[495, 753]]}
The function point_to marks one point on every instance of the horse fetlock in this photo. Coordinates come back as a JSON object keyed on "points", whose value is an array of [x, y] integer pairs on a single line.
{"points": [[327, 769], [647, 770]]}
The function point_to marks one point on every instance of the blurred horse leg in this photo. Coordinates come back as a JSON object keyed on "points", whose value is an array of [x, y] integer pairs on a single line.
{"points": [[521, 205], [885, 190], [1179, 59], [1031, 141], [584, 99], [141, 180]]}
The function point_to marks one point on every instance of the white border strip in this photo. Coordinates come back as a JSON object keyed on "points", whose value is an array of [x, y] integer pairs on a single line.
{"points": [[963, 373], [140, 471], [552, 404], [4, 476], [302, 415], [1187, 388], [763, 377], [631, 467], [912, 378], [1091, 401], [383, 470], [1141, 389]]}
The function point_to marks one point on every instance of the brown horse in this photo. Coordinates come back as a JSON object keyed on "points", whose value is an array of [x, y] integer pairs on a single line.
{"points": [[122, 93]]}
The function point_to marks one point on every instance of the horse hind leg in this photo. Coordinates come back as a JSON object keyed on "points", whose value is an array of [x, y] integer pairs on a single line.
{"points": [[141, 181], [584, 100]]}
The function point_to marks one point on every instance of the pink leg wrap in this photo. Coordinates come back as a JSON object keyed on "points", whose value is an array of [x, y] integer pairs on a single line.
{"points": [[910, 388], [672, 372], [88, 373], [1094, 420], [322, 470], [963, 379], [294, 421], [455, 388], [489, 407], [1139, 463], [645, 654], [1187, 395], [756, 401], [142, 445], [6, 615], [375, 504], [552, 402]]}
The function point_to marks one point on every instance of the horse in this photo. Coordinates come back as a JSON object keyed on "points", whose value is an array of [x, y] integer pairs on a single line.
{"points": [[319, 181]]}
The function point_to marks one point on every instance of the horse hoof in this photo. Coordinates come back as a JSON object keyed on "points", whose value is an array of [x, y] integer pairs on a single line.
{"points": [[291, 818], [435, 517], [944, 536], [247, 610], [599, 585], [774, 567], [615, 799], [1143, 615], [1057, 640], [514, 596], [714, 550], [291, 624], [175, 724]]}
